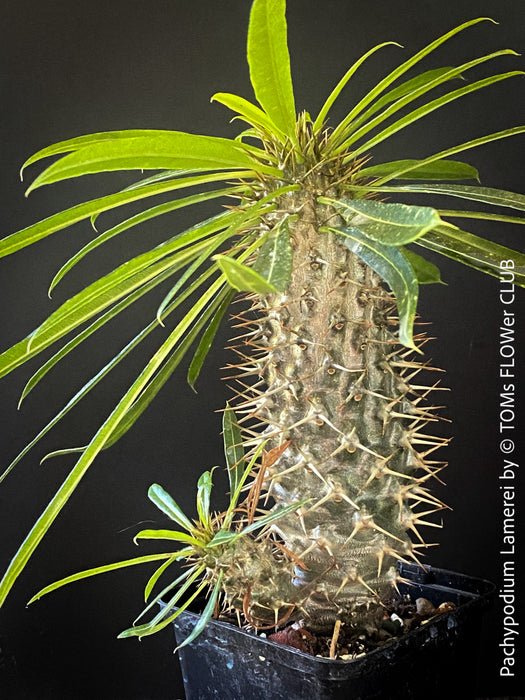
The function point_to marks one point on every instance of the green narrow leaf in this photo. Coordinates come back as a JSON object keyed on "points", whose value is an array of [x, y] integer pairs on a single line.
{"points": [[15, 241], [320, 120], [249, 112], [340, 131], [140, 218], [454, 213], [427, 108], [474, 252], [167, 535], [160, 150], [272, 517], [233, 448], [488, 138], [438, 170], [425, 271], [390, 224], [389, 263], [155, 626], [275, 259], [79, 142], [158, 573], [207, 338], [204, 487], [164, 502], [187, 573], [206, 615], [102, 436], [104, 569], [269, 63], [355, 134], [242, 277], [488, 195]]}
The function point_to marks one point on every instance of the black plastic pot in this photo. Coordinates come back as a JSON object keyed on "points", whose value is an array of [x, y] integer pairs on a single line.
{"points": [[436, 660]]}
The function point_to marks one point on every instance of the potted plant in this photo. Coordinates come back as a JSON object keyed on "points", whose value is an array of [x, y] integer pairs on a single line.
{"points": [[331, 419]]}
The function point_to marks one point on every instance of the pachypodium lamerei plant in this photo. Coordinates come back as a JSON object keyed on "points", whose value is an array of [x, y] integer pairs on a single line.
{"points": [[330, 439]]}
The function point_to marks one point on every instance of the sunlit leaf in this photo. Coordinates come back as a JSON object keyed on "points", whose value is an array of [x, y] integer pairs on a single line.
{"points": [[159, 150], [269, 63]]}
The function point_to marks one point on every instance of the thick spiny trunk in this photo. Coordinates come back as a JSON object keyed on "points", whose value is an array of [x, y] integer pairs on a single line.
{"points": [[337, 395]]}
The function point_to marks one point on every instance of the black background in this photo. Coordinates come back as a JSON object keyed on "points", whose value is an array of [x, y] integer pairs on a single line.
{"points": [[72, 68]]}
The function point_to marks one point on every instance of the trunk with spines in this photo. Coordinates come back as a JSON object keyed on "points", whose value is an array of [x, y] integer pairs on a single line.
{"points": [[334, 389]]}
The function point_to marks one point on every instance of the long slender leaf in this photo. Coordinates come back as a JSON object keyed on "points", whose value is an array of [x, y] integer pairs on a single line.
{"points": [[171, 585], [429, 107], [355, 134], [160, 150], [453, 213], [438, 170], [104, 569], [145, 398], [390, 224], [233, 448], [207, 338], [206, 615], [140, 218], [167, 535], [488, 195], [391, 266], [269, 63], [79, 142], [157, 574], [409, 86], [340, 131], [152, 628], [321, 117], [474, 251], [467, 145], [15, 241]]}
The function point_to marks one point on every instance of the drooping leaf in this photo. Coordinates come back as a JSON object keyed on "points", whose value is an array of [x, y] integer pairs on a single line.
{"points": [[242, 277], [426, 272], [275, 259], [207, 338], [391, 266], [233, 448], [269, 63], [474, 251], [206, 615], [390, 224], [158, 573], [140, 218], [160, 150], [438, 170], [168, 506]]}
